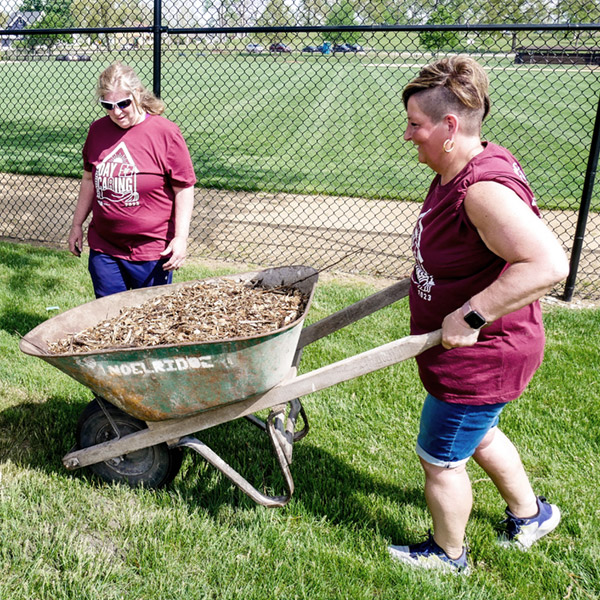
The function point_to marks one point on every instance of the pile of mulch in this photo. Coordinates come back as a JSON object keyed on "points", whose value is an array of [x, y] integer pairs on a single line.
{"points": [[205, 311]]}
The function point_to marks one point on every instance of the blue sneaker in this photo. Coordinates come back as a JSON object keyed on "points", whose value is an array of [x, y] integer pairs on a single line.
{"points": [[522, 533], [428, 555]]}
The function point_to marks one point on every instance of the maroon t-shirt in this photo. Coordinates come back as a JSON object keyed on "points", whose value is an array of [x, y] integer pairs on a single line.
{"points": [[452, 265], [134, 171]]}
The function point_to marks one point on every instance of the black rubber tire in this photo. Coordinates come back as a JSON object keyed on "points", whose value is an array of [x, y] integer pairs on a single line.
{"points": [[151, 467]]}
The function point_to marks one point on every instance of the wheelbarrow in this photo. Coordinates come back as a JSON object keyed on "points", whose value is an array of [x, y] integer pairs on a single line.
{"points": [[150, 401]]}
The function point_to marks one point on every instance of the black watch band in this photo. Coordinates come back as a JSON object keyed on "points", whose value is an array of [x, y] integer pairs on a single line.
{"points": [[473, 319]]}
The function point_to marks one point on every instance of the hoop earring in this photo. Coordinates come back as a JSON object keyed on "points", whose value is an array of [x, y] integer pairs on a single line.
{"points": [[448, 145]]}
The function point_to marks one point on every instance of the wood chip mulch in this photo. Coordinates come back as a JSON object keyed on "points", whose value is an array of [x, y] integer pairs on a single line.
{"points": [[205, 311]]}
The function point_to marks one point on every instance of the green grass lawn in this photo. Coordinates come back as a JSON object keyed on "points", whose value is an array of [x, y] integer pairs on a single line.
{"points": [[358, 482], [304, 123]]}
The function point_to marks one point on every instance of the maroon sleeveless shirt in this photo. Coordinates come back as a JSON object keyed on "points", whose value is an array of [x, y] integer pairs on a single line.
{"points": [[452, 265]]}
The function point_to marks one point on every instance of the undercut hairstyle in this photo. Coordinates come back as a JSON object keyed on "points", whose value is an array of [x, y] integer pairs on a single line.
{"points": [[121, 77], [454, 85]]}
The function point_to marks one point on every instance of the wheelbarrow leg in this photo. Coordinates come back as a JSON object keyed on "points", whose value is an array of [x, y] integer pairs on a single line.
{"points": [[296, 408], [216, 461]]}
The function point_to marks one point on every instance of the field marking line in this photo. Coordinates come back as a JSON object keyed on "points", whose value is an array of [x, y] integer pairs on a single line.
{"points": [[523, 68]]}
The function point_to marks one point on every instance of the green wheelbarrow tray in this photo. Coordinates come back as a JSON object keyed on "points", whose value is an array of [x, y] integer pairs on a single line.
{"points": [[144, 413], [174, 381]]}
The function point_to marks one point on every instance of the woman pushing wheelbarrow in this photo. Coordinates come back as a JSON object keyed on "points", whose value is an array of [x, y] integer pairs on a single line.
{"points": [[483, 259]]}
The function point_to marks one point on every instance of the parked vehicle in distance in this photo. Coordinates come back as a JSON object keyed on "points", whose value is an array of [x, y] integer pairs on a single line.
{"points": [[355, 47], [312, 49], [255, 48], [73, 57], [279, 47], [342, 48]]}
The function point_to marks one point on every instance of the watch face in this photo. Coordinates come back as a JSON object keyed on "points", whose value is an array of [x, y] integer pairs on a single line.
{"points": [[475, 320]]}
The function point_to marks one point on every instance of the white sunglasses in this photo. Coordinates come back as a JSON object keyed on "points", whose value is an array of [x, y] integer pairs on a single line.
{"points": [[121, 104]]}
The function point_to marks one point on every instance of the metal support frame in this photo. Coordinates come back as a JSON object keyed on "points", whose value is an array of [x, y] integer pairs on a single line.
{"points": [[157, 48], [282, 447]]}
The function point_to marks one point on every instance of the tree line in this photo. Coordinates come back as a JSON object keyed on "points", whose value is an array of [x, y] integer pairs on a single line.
{"points": [[63, 14]]}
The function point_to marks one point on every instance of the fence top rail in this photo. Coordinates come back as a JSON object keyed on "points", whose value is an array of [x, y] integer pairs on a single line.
{"points": [[392, 28], [556, 49], [91, 30], [311, 28]]}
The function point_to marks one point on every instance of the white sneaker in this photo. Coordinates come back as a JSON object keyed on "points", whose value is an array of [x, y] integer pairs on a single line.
{"points": [[522, 533], [428, 555]]}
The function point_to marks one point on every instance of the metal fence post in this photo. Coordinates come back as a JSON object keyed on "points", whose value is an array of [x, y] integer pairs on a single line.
{"points": [[157, 48], [584, 208]]}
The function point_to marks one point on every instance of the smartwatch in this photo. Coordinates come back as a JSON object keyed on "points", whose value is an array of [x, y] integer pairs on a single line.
{"points": [[473, 319]]}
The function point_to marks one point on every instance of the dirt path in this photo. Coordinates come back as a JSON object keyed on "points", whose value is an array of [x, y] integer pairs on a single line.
{"points": [[369, 237]]}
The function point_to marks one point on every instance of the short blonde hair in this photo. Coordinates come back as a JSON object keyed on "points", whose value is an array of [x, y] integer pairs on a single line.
{"points": [[453, 84], [121, 77]]}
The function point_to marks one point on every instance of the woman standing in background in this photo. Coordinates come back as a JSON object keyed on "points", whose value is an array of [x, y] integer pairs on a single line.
{"points": [[138, 184]]}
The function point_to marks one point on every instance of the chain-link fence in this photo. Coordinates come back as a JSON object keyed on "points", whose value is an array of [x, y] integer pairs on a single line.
{"points": [[293, 117]]}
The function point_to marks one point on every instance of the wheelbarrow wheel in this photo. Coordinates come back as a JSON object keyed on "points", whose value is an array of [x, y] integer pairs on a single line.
{"points": [[152, 467]]}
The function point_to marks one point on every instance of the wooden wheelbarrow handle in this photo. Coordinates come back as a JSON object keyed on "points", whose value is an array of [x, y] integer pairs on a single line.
{"points": [[289, 389], [363, 363]]}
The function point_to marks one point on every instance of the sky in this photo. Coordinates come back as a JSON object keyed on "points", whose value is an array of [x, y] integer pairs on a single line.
{"points": [[170, 9], [9, 6], [169, 6]]}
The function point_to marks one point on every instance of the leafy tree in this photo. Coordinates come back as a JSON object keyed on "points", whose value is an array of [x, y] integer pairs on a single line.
{"points": [[512, 11], [578, 11], [343, 13], [94, 14], [222, 12], [243, 9], [313, 12], [276, 14], [57, 15], [443, 39], [105, 13], [385, 12], [133, 12]]}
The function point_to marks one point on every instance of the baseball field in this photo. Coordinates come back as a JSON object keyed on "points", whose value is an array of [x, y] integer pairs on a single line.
{"points": [[304, 124]]}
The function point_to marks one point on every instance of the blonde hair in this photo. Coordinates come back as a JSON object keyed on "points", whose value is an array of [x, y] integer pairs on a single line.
{"points": [[121, 77], [456, 84]]}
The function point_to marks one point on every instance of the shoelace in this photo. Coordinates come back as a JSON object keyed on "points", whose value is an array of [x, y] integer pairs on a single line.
{"points": [[511, 525], [429, 546]]}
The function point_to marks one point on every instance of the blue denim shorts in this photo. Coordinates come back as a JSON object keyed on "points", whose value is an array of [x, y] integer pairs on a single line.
{"points": [[111, 275], [450, 433]]}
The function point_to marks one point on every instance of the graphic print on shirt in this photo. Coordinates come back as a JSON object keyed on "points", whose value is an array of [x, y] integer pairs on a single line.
{"points": [[116, 178], [519, 173], [424, 281]]}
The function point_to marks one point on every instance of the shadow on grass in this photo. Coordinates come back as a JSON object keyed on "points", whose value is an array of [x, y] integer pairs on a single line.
{"points": [[324, 485], [20, 322], [38, 435], [28, 265]]}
